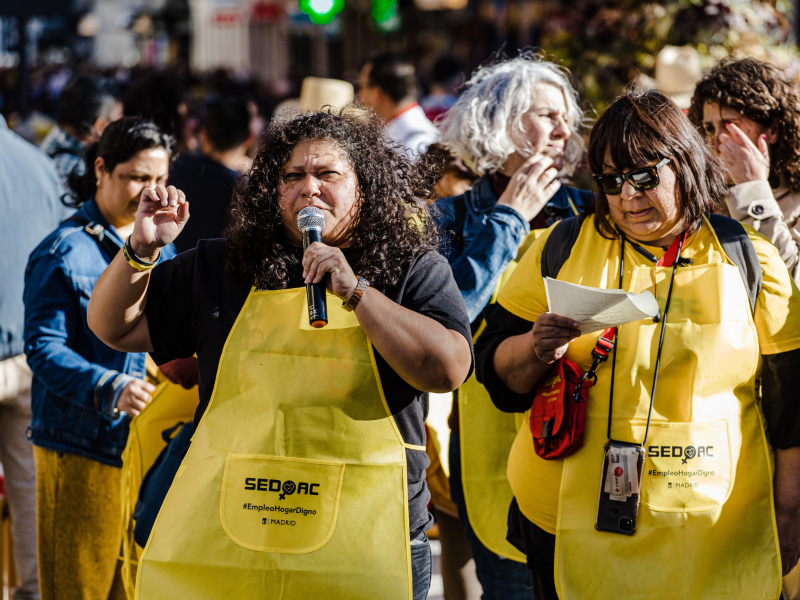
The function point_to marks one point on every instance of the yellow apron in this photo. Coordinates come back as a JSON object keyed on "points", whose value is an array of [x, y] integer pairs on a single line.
{"points": [[294, 486], [706, 526], [171, 404], [791, 585], [487, 435]]}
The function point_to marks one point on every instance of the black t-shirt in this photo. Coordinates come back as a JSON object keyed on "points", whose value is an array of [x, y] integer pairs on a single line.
{"points": [[208, 186], [193, 302]]}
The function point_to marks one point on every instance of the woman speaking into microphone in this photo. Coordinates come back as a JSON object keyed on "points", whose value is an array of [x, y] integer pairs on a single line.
{"points": [[306, 474]]}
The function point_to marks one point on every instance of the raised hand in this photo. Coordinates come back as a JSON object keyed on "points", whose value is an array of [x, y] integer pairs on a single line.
{"points": [[162, 213], [745, 160], [531, 187], [326, 262]]}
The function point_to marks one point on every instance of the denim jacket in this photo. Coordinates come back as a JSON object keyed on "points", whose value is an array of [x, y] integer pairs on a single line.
{"points": [[491, 237], [77, 379]]}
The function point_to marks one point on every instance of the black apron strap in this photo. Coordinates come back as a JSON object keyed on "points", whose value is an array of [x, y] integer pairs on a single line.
{"points": [[60, 151], [460, 208]]}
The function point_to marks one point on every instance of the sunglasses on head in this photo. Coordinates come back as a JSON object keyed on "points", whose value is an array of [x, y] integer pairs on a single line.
{"points": [[645, 178]]}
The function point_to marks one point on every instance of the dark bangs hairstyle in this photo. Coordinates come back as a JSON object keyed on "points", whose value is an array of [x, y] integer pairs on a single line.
{"points": [[391, 225], [641, 128], [760, 92], [120, 142]]}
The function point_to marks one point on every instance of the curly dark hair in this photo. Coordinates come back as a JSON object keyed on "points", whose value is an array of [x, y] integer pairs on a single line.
{"points": [[644, 127], [392, 224], [760, 92]]}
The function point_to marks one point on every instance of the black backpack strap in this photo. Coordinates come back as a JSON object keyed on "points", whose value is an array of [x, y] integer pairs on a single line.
{"points": [[60, 151], [739, 248], [98, 232], [731, 234], [559, 245], [460, 210]]}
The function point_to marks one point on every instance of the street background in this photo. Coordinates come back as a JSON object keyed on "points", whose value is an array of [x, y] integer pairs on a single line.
{"points": [[176, 54]]}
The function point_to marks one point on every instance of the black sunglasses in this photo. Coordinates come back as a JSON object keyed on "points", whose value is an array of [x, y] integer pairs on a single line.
{"points": [[641, 179]]}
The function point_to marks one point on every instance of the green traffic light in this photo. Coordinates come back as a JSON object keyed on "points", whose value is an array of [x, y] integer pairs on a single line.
{"points": [[321, 12], [383, 10]]}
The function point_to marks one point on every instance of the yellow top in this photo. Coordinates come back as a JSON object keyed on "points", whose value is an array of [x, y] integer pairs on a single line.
{"points": [[595, 261]]}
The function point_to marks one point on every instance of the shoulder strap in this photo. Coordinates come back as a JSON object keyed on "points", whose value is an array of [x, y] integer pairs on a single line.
{"points": [[460, 209], [559, 245], [60, 151], [739, 248], [98, 233]]}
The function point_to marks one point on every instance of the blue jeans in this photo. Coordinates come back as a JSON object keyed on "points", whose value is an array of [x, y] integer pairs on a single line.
{"points": [[501, 578], [421, 566]]}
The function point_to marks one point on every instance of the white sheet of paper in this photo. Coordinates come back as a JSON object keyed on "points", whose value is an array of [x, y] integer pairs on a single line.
{"points": [[596, 309]]}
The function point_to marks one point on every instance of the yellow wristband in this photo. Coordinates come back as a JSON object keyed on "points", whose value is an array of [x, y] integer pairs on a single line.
{"points": [[134, 260]]}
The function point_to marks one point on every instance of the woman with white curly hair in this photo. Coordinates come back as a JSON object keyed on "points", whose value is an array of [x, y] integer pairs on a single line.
{"points": [[517, 124]]}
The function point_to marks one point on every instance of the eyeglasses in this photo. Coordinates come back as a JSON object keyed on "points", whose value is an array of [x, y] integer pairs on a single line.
{"points": [[641, 179]]}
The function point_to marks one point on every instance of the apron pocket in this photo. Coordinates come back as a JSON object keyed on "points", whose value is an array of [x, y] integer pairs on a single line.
{"points": [[278, 504], [688, 466]]}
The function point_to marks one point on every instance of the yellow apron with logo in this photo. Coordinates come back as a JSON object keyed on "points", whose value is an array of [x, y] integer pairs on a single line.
{"points": [[487, 435], [294, 486], [706, 526]]}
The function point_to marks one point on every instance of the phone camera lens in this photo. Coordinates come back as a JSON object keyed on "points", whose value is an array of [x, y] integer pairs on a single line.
{"points": [[625, 524]]}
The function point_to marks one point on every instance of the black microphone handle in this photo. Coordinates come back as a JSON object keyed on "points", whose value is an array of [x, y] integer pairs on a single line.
{"points": [[315, 292]]}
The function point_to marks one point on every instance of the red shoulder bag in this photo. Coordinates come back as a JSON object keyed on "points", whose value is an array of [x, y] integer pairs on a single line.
{"points": [[558, 414]]}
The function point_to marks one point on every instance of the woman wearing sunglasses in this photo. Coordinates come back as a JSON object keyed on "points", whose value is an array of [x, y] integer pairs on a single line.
{"points": [[689, 496]]}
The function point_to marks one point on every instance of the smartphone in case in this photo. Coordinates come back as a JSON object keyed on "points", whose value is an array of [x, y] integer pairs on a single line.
{"points": [[620, 488]]}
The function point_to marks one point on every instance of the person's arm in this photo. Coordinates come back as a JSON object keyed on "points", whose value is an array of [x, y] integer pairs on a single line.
{"points": [[116, 309], [750, 200], [512, 354], [786, 489], [782, 414], [52, 322], [522, 359], [478, 267], [501, 325], [753, 204], [480, 263], [423, 352]]}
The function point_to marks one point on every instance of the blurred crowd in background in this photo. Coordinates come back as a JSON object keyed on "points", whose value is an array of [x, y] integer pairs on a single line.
{"points": [[168, 57]]}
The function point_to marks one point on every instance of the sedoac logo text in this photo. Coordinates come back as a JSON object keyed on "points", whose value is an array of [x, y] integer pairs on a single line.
{"points": [[683, 452], [285, 488]]}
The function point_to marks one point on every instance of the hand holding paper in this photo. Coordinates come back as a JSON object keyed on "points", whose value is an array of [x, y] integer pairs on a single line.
{"points": [[597, 309]]}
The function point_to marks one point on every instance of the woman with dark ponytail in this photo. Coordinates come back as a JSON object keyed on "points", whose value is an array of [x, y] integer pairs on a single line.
{"points": [[84, 393]]}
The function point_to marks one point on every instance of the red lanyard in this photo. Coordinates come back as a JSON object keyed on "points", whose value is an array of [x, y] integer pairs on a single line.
{"points": [[671, 255]]}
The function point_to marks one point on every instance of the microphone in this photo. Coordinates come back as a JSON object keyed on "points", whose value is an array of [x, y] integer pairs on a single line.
{"points": [[311, 222]]}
